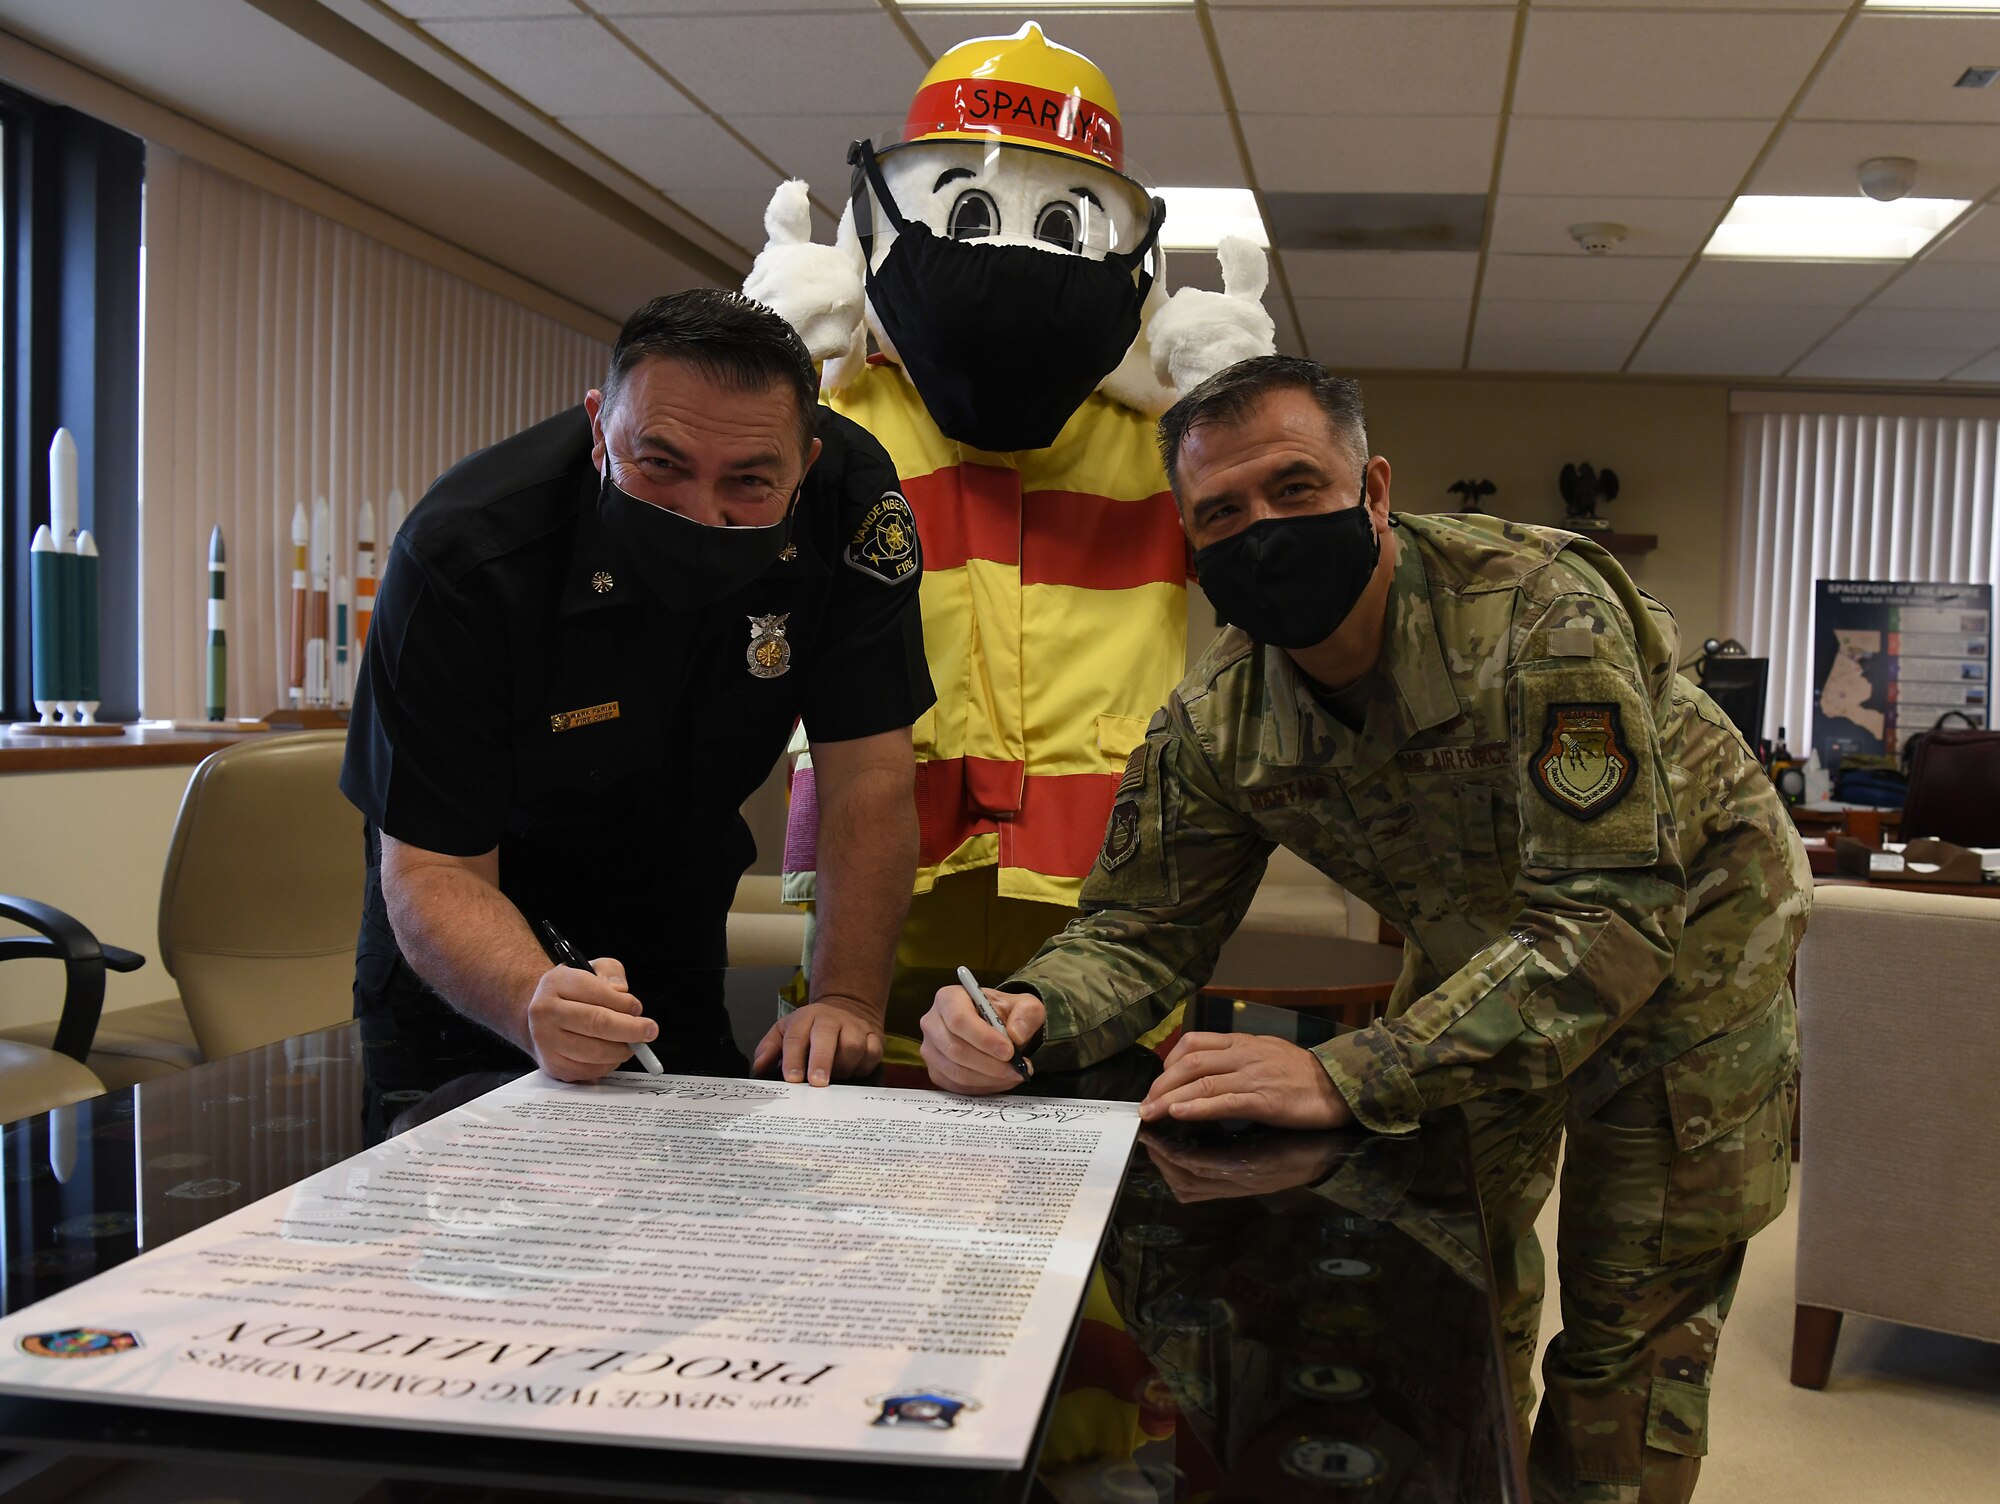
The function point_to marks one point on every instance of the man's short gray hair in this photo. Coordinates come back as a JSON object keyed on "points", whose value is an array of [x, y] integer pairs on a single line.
{"points": [[1231, 393]]}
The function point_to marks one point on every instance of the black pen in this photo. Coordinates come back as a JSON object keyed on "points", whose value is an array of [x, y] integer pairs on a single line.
{"points": [[564, 954]]}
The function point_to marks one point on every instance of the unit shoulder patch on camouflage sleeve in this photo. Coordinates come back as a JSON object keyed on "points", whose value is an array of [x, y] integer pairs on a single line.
{"points": [[1585, 755], [885, 547]]}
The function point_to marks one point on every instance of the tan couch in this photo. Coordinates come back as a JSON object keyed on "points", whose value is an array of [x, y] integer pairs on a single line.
{"points": [[1899, 1174]]}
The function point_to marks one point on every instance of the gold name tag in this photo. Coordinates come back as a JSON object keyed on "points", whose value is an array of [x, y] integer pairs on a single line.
{"points": [[590, 715]]}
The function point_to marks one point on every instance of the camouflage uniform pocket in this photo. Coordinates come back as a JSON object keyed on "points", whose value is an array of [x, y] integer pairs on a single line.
{"points": [[1677, 1418], [1731, 1104]]}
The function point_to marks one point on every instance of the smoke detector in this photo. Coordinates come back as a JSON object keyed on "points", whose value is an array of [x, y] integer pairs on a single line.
{"points": [[1597, 238], [1887, 179]]}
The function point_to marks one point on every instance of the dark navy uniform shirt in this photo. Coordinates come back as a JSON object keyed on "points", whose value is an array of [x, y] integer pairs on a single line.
{"points": [[522, 688]]}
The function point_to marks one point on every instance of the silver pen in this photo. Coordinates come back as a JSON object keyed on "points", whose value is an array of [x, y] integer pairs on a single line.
{"points": [[987, 1011]]}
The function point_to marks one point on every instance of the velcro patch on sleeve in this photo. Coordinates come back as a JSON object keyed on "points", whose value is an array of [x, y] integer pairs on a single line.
{"points": [[884, 547], [1590, 791]]}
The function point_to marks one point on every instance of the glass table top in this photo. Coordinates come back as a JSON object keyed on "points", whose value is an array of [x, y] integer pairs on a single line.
{"points": [[1275, 1316]]}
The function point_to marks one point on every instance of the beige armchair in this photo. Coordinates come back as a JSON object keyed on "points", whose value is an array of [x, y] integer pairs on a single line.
{"points": [[35, 1080], [1899, 1174], [262, 893]]}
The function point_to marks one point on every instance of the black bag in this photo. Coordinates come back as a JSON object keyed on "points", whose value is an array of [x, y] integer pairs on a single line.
{"points": [[1954, 784]]}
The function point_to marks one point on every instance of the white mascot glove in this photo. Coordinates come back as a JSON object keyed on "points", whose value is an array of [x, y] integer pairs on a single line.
{"points": [[1198, 333], [814, 288]]}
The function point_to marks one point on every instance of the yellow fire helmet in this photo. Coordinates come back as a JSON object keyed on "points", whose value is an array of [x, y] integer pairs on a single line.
{"points": [[1021, 90]]}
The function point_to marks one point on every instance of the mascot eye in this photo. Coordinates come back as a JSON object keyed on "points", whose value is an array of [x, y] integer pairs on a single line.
{"points": [[974, 216], [1057, 224]]}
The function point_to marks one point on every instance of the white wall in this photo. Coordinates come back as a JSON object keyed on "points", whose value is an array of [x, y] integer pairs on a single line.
{"points": [[94, 845]]}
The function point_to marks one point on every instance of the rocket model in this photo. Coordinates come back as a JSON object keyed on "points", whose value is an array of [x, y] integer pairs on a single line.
{"points": [[63, 601], [295, 675], [319, 668], [340, 597], [218, 645], [364, 575]]}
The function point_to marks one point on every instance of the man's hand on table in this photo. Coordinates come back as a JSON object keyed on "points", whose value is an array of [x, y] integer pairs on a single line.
{"points": [[582, 1027], [821, 1041], [1247, 1076], [1262, 1167], [968, 1055]]}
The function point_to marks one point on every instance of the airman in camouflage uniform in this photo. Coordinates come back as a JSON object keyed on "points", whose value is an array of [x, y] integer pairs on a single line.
{"points": [[1601, 893]]}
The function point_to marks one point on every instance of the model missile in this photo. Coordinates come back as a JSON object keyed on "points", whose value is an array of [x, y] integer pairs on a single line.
{"points": [[218, 643], [45, 629], [364, 575], [295, 672], [340, 643], [84, 614], [318, 618]]}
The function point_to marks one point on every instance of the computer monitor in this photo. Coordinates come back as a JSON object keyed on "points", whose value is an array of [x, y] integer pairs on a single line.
{"points": [[1737, 685]]}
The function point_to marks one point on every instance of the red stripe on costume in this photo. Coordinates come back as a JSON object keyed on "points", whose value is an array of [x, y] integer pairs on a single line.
{"points": [[1077, 538], [967, 512], [1056, 830], [1004, 110]]}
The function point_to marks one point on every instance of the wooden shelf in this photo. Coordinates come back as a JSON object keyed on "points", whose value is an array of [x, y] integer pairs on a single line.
{"points": [[1622, 543], [139, 747]]}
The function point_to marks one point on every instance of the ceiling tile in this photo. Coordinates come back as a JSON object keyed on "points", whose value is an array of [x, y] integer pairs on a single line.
{"points": [[1184, 151], [677, 152], [1977, 238], [1400, 61], [1372, 154], [1201, 269], [1156, 61], [813, 147], [1356, 333], [1822, 157], [1919, 329], [617, 8], [1672, 65], [1539, 320], [445, 10], [1539, 225], [1688, 4], [1669, 158], [1892, 67], [1611, 278], [739, 214], [756, 64], [1517, 353], [1862, 363], [1381, 274], [1727, 340], [563, 67], [1776, 283], [1985, 369], [1943, 284]]}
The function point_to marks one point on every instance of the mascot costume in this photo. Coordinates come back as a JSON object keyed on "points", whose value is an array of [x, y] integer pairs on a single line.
{"points": [[1005, 264]]}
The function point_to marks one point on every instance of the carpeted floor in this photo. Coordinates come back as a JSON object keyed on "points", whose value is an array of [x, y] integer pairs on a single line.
{"points": [[1909, 1417]]}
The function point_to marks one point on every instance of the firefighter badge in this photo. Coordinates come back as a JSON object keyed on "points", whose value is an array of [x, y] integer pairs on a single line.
{"points": [[885, 546], [768, 655], [1584, 766]]}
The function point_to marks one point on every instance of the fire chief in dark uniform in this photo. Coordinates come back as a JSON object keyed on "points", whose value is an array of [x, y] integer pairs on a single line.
{"points": [[590, 645]]}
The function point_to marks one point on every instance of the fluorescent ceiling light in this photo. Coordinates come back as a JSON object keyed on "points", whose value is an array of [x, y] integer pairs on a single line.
{"points": [[1991, 7], [1774, 228], [1198, 218]]}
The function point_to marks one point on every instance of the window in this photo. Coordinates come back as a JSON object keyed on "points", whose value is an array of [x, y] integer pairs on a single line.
{"points": [[69, 342]]}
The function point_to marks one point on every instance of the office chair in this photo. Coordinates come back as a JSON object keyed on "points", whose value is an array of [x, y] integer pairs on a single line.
{"points": [[262, 893], [35, 1078]]}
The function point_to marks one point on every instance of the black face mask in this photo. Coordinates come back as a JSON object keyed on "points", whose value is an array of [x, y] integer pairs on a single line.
{"points": [[1291, 581], [1003, 342], [685, 563]]}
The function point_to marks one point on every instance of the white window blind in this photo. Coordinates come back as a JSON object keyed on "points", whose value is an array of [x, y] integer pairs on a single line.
{"points": [[288, 357], [1880, 488]]}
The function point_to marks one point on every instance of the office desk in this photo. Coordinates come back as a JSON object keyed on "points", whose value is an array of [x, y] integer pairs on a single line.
{"points": [[1233, 1342]]}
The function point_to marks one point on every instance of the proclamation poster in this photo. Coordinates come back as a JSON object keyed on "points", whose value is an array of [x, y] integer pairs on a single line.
{"points": [[1891, 656], [687, 1262]]}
